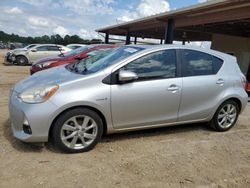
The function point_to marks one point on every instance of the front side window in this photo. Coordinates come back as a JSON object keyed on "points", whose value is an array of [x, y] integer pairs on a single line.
{"points": [[42, 48], [157, 65]]}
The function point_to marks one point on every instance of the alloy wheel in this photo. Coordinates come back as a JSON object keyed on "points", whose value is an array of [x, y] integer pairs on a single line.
{"points": [[78, 132], [227, 116]]}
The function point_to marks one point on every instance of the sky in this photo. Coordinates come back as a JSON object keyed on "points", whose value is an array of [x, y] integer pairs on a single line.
{"points": [[80, 17]]}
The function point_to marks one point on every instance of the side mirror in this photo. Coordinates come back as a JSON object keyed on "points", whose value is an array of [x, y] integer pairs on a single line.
{"points": [[126, 76], [34, 50]]}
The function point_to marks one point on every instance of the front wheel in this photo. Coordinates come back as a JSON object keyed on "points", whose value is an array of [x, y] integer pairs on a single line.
{"points": [[225, 116], [21, 60], [77, 130]]}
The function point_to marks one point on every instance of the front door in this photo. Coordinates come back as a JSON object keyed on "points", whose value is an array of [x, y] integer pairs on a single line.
{"points": [[53, 51], [153, 98], [41, 52]]}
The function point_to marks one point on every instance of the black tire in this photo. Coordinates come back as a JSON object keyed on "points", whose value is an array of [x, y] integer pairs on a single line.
{"points": [[57, 127], [214, 124], [21, 60]]}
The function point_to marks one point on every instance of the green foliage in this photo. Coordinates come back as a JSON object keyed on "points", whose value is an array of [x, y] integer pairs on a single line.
{"points": [[53, 39]]}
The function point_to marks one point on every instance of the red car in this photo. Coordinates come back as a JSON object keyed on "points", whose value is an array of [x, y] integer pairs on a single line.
{"points": [[248, 81], [248, 87], [67, 58]]}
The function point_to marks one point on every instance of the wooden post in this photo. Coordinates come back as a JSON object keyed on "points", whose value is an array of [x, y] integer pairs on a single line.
{"points": [[106, 38], [169, 32], [135, 40], [127, 38]]}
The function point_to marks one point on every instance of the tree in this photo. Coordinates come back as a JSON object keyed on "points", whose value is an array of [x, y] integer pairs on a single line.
{"points": [[54, 39]]}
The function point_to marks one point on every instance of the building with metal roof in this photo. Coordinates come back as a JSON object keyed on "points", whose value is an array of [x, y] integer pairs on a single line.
{"points": [[226, 23]]}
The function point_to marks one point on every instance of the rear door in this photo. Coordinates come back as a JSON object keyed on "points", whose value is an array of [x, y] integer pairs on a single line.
{"points": [[152, 99], [203, 85]]}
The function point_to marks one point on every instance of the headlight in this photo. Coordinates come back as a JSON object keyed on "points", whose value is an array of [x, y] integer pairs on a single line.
{"points": [[43, 65], [39, 94]]}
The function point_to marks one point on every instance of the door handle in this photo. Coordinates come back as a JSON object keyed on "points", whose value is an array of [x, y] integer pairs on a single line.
{"points": [[173, 88], [220, 82]]}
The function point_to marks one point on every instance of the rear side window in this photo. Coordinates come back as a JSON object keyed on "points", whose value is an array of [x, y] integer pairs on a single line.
{"points": [[198, 63], [42, 48], [217, 64], [53, 48]]}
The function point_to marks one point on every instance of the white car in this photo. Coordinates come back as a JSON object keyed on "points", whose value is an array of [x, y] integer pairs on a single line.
{"points": [[28, 56]]}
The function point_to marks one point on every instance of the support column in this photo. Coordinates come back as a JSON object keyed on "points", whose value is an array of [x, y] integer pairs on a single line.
{"points": [[169, 32], [106, 38], [127, 38], [161, 41], [135, 40]]}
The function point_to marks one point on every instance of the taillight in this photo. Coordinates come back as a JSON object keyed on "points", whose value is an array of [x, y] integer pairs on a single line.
{"points": [[247, 87], [243, 80]]}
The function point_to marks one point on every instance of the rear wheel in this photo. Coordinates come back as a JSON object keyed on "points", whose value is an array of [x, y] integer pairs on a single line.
{"points": [[77, 130], [21, 60], [226, 116]]}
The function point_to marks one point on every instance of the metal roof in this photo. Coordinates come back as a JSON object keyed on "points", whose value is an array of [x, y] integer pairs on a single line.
{"points": [[199, 21]]}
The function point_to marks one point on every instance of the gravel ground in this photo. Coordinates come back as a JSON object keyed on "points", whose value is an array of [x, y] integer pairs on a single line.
{"points": [[180, 156]]}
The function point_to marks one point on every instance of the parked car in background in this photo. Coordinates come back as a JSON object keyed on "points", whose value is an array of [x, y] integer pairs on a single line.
{"points": [[134, 87], [70, 57], [75, 46], [15, 45], [30, 55], [3, 46], [9, 57]]}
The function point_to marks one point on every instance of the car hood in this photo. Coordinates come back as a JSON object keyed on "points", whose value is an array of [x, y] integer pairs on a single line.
{"points": [[44, 60], [57, 75], [19, 50]]}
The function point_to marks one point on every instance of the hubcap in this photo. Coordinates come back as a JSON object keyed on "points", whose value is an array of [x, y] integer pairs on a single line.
{"points": [[79, 132], [227, 116]]}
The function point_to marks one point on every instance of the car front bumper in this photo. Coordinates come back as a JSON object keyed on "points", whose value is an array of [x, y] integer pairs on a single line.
{"points": [[9, 58], [38, 116]]}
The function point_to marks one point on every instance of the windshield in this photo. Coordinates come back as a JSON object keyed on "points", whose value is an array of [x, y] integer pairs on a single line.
{"points": [[93, 65], [91, 58], [76, 51], [30, 46]]}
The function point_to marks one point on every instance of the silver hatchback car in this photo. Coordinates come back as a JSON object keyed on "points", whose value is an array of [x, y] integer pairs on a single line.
{"points": [[135, 87]]}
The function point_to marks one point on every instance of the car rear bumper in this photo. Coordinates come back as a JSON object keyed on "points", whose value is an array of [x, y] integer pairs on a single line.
{"points": [[35, 116]]}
